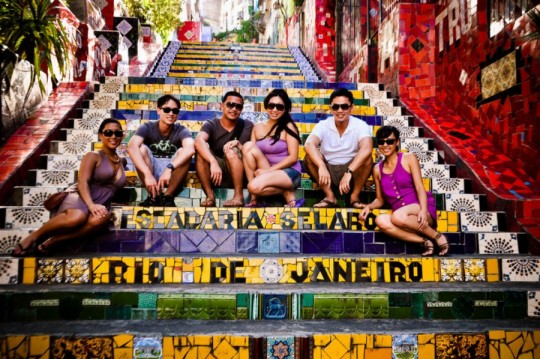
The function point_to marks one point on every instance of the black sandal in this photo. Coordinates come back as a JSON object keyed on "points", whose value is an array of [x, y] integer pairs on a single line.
{"points": [[20, 251], [429, 248], [442, 249], [42, 250]]}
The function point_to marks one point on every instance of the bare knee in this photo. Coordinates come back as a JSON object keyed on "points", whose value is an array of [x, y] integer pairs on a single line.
{"points": [[255, 187], [73, 218], [247, 147], [398, 219], [383, 222]]}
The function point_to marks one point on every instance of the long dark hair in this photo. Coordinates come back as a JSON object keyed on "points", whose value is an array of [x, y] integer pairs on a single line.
{"points": [[284, 120]]}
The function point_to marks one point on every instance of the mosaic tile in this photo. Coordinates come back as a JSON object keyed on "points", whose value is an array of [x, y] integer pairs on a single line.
{"points": [[461, 346], [520, 270], [280, 347], [405, 346], [462, 202], [451, 270], [274, 306], [479, 221], [147, 347], [9, 271], [10, 238], [498, 243], [448, 185], [97, 347]]}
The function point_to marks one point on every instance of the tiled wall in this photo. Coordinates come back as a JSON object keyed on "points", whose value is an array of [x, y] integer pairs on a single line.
{"points": [[446, 53], [493, 344]]}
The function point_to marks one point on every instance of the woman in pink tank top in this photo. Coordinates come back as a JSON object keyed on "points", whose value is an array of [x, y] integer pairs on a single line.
{"points": [[271, 157], [398, 181]]}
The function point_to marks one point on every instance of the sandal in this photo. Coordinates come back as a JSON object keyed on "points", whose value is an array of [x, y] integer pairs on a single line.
{"points": [[42, 250], [233, 203], [429, 248], [20, 251], [357, 204], [253, 204], [325, 203], [295, 203], [208, 202], [442, 249]]}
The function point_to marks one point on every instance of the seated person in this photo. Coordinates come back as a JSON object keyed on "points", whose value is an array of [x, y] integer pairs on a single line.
{"points": [[86, 207], [338, 152], [161, 152], [219, 151], [271, 157], [398, 181]]}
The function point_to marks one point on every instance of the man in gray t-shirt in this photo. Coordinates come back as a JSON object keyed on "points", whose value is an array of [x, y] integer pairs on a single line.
{"points": [[219, 151], [161, 152]]}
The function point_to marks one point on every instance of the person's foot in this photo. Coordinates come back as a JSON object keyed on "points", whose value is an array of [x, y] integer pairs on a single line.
{"points": [[208, 202], [168, 201], [326, 203], [20, 250], [428, 248], [357, 204], [442, 244], [150, 202], [295, 203], [233, 202]]}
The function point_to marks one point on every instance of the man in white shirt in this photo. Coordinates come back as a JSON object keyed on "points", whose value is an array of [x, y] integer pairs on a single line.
{"points": [[338, 152]]}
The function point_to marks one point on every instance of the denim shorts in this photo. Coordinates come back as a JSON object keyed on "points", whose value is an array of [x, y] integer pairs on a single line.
{"points": [[294, 175]]}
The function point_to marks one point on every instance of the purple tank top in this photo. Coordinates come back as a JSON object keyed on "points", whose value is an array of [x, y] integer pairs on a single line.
{"points": [[276, 152], [398, 189]]}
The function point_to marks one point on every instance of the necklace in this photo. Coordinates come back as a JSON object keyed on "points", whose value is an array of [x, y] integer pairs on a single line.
{"points": [[117, 160]]}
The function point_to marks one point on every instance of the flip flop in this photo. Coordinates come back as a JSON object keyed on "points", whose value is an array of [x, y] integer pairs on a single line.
{"points": [[233, 203], [357, 204], [208, 203], [295, 203], [326, 203]]}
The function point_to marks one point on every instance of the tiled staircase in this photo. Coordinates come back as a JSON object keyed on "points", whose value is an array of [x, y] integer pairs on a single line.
{"points": [[274, 282]]}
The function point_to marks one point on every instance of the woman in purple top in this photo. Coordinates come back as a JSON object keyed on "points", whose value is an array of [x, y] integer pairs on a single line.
{"points": [[87, 207], [271, 157], [398, 180]]}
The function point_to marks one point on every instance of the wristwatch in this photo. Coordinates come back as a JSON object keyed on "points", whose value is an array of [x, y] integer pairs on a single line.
{"points": [[349, 170], [170, 166]]}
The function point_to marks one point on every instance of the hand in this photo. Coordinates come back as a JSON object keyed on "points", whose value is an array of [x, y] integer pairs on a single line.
{"points": [[151, 186], [215, 173], [98, 210], [422, 219], [364, 213], [345, 183], [230, 145], [324, 176], [164, 180]]}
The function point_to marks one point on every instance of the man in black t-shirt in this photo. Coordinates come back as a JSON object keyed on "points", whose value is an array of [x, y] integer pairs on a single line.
{"points": [[219, 151], [161, 152]]}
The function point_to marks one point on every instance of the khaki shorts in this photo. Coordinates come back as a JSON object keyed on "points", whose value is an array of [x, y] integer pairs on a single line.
{"points": [[337, 171]]}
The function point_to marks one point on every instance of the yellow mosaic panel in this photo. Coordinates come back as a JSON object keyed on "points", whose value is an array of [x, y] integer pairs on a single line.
{"points": [[198, 347], [499, 76], [370, 346], [514, 344], [289, 270]]}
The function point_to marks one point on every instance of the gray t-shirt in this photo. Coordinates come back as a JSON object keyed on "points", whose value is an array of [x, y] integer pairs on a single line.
{"points": [[161, 146], [219, 136]]}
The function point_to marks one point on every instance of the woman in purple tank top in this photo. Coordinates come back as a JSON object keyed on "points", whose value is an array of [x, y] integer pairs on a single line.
{"points": [[86, 208], [398, 181], [271, 157]]}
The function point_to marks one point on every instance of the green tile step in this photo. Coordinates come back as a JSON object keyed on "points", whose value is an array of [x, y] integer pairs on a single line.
{"points": [[458, 301]]}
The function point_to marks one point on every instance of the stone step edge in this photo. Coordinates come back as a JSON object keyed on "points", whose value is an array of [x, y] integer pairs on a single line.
{"points": [[266, 328]]}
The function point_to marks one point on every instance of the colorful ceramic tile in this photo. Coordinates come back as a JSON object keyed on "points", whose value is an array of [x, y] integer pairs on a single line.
{"points": [[520, 270], [498, 243], [280, 348], [404, 346], [461, 346], [147, 347]]}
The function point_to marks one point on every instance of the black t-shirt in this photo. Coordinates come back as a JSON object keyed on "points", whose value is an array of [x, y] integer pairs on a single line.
{"points": [[161, 146], [219, 136]]}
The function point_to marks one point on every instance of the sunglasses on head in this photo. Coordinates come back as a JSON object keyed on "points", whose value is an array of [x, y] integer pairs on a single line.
{"points": [[276, 106], [231, 105], [109, 133], [389, 141], [176, 111], [343, 106]]}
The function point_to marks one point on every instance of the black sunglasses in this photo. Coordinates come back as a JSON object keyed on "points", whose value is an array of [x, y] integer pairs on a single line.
{"points": [[344, 106], [109, 133], [232, 105], [176, 111], [389, 141], [276, 106]]}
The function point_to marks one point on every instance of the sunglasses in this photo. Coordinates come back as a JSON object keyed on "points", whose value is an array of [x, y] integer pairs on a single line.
{"points": [[276, 106], [109, 133], [389, 141], [231, 105], [176, 111], [343, 106]]}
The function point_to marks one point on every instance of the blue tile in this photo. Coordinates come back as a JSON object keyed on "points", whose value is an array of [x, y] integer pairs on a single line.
{"points": [[268, 242], [289, 242], [274, 306], [246, 242], [374, 248], [353, 242]]}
